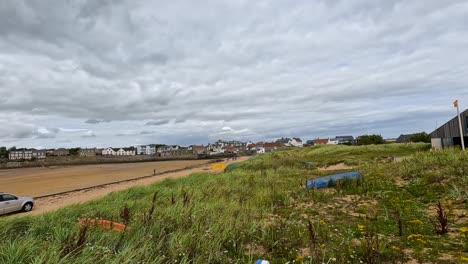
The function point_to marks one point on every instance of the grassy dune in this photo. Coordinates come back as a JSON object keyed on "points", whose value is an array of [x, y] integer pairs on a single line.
{"points": [[261, 209]]}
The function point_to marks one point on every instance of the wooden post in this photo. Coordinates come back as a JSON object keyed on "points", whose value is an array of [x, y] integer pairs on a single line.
{"points": [[460, 125]]}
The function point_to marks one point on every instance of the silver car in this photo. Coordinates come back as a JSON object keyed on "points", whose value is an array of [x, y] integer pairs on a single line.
{"points": [[10, 203]]}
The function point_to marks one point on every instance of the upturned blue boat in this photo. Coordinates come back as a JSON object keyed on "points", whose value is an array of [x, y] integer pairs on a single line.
{"points": [[324, 181]]}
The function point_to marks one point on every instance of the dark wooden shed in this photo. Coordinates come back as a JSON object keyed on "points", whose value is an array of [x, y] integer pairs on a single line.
{"points": [[448, 134]]}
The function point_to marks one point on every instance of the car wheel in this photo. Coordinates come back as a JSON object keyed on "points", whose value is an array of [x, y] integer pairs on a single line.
{"points": [[27, 207]]}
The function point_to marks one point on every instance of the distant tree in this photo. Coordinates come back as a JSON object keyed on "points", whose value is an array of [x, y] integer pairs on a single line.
{"points": [[370, 139], [74, 151], [420, 137], [3, 152]]}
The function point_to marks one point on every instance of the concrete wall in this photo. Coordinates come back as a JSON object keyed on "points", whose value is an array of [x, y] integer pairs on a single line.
{"points": [[75, 160]]}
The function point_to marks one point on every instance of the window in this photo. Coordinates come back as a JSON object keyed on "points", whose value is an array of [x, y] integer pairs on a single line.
{"points": [[9, 197]]}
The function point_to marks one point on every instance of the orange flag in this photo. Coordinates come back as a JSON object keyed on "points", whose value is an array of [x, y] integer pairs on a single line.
{"points": [[455, 104]]}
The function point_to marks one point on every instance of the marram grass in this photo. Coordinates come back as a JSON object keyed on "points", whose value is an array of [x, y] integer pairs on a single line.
{"points": [[261, 209]]}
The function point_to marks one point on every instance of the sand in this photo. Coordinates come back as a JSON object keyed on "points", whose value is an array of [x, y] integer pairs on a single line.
{"points": [[42, 181]]}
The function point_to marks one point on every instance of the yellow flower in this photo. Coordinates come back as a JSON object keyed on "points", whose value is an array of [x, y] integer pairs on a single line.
{"points": [[361, 227], [300, 258], [464, 259], [415, 222], [415, 236], [420, 241], [323, 245], [463, 229], [322, 222], [395, 248]]}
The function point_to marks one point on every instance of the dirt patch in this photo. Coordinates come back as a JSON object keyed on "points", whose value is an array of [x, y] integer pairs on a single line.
{"points": [[339, 166], [400, 159], [256, 250], [400, 182]]}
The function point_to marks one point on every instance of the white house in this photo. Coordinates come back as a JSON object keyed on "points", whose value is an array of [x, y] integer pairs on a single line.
{"points": [[260, 148], [216, 148], [118, 152], [167, 148], [146, 150], [126, 152], [109, 152], [295, 142], [333, 141]]}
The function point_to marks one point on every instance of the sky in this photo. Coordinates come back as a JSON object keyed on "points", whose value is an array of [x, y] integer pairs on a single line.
{"points": [[85, 73]]}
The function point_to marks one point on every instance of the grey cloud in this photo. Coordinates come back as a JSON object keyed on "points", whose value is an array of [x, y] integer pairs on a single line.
{"points": [[15, 131], [157, 123], [92, 121], [302, 68], [45, 135], [96, 121]]}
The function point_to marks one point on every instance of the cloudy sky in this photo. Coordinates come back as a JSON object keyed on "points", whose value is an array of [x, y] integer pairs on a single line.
{"points": [[118, 73]]}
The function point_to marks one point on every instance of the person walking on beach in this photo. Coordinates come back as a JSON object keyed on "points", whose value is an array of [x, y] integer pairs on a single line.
{"points": [[154, 172]]}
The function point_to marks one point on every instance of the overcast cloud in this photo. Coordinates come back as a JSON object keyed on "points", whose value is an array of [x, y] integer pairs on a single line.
{"points": [[118, 73]]}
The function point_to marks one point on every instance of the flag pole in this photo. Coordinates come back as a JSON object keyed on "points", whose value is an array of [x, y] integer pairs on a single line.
{"points": [[460, 125]]}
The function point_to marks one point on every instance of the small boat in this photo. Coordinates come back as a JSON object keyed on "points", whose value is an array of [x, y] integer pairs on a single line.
{"points": [[325, 181]]}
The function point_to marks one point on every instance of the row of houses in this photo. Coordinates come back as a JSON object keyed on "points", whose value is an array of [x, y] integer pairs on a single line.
{"points": [[218, 147], [29, 154], [331, 141]]}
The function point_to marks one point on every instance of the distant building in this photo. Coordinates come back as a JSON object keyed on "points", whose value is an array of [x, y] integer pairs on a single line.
{"points": [[58, 152], [295, 142], [167, 148], [119, 151], [270, 146], [215, 148], [290, 142], [404, 138], [27, 154], [283, 141], [229, 150], [344, 139], [198, 149], [320, 141], [146, 150], [260, 148], [20, 154], [333, 141], [448, 135], [251, 146], [87, 152]]}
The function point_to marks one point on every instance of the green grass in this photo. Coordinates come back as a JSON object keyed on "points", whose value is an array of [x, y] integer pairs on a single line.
{"points": [[261, 209]]}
